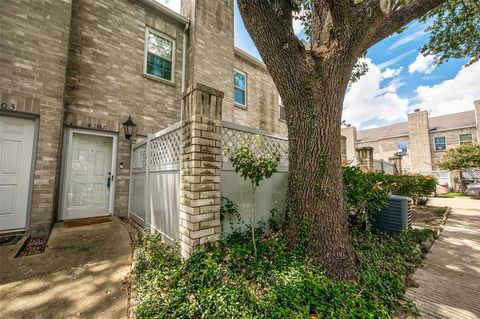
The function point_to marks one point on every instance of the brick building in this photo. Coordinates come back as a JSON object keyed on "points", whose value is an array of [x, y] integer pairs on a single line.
{"points": [[422, 139], [72, 71]]}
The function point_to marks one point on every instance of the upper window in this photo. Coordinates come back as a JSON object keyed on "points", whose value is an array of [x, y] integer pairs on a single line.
{"points": [[239, 88], [403, 146], [465, 138], [159, 57], [440, 143], [281, 109]]}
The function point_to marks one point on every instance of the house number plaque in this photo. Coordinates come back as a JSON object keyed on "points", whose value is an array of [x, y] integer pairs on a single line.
{"points": [[97, 126], [7, 106]]}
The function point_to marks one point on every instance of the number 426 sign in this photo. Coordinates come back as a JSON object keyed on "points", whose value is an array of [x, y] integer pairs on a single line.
{"points": [[7, 106]]}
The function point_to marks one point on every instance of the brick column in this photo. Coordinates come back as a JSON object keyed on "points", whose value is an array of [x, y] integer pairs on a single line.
{"points": [[350, 132], [419, 141], [200, 169], [477, 118], [365, 158], [397, 162]]}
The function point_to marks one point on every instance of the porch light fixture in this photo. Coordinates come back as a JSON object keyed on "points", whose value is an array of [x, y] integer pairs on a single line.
{"points": [[129, 127]]}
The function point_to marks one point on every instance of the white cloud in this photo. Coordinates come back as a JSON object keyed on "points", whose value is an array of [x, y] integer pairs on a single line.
{"points": [[366, 99], [390, 73], [174, 5], [407, 39], [396, 59], [422, 64], [451, 96]]}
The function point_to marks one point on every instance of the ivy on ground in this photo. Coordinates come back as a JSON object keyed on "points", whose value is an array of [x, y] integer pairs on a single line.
{"points": [[225, 281]]}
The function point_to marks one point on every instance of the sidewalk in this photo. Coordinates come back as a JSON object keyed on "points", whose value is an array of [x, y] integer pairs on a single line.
{"points": [[83, 273], [449, 282]]}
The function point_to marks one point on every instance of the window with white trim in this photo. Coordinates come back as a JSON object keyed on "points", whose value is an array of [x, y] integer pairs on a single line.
{"points": [[465, 138], [440, 144], [159, 55], [281, 109], [239, 88]]}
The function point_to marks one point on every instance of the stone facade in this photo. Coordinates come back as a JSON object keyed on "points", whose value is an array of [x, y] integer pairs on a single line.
{"points": [[105, 76], [418, 133], [419, 139], [33, 58], [261, 98], [79, 64], [200, 168]]}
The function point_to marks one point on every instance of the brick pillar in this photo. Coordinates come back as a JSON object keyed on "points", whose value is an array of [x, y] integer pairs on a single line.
{"points": [[455, 183], [419, 141], [350, 132], [477, 118], [365, 158], [200, 169], [397, 162]]}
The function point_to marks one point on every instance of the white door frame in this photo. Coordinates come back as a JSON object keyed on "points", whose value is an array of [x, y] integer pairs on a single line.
{"points": [[36, 125], [66, 159]]}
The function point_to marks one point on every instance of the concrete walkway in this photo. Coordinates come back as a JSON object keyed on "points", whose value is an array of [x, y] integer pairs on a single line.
{"points": [[83, 273], [449, 282]]}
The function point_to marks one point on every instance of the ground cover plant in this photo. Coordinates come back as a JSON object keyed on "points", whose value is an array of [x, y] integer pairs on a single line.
{"points": [[225, 281]]}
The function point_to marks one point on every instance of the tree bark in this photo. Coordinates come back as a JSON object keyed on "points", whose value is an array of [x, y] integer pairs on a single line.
{"points": [[315, 206], [312, 84]]}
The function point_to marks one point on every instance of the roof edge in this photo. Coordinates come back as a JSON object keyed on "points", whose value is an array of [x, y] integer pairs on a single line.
{"points": [[249, 57], [164, 10]]}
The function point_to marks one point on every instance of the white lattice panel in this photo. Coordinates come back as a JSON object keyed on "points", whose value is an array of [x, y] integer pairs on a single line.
{"points": [[166, 149], [139, 160], [232, 138]]}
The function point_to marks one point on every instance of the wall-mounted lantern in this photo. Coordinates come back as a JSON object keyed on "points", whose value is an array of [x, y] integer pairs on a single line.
{"points": [[129, 127]]}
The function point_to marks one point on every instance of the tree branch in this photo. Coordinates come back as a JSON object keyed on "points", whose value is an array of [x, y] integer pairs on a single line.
{"points": [[390, 20], [269, 23]]}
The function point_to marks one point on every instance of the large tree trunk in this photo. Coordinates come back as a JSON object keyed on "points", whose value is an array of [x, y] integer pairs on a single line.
{"points": [[312, 83], [315, 205]]}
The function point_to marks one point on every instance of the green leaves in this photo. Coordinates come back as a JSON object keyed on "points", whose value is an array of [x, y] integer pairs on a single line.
{"points": [[252, 165], [454, 31], [461, 157], [224, 281]]}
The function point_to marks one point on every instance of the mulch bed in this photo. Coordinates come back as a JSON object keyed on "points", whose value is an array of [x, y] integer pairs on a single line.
{"points": [[428, 216], [33, 246]]}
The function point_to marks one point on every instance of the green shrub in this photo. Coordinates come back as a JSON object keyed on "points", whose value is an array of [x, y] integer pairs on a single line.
{"points": [[416, 186], [225, 281], [365, 195], [461, 157]]}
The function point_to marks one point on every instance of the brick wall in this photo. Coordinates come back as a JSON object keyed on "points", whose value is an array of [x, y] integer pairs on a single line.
{"points": [[105, 75], [262, 100], [386, 147], [210, 49], [452, 138], [33, 54], [419, 141]]}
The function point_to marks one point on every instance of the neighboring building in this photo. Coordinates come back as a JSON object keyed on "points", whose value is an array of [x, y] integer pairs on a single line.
{"points": [[422, 139], [72, 71]]}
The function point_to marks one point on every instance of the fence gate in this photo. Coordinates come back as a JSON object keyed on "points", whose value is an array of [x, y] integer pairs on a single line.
{"points": [[154, 197]]}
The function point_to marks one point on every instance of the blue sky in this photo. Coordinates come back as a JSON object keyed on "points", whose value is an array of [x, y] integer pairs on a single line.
{"points": [[399, 78]]}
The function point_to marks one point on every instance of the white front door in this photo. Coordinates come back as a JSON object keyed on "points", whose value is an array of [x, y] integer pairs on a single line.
{"points": [[16, 148], [89, 175]]}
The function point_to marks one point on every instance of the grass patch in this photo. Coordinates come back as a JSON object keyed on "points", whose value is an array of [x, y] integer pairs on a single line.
{"points": [[225, 281]]}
